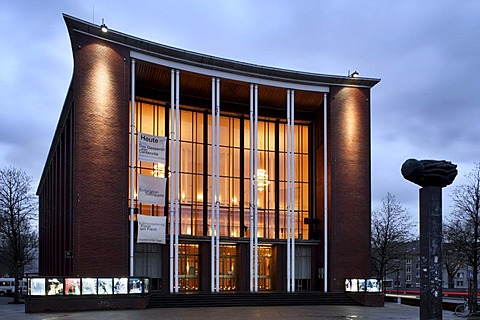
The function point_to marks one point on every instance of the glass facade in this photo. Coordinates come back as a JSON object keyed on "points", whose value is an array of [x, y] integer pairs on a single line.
{"points": [[195, 168], [195, 138]]}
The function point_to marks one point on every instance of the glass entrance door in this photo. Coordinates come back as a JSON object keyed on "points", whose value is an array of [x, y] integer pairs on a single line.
{"points": [[264, 268], [228, 268]]}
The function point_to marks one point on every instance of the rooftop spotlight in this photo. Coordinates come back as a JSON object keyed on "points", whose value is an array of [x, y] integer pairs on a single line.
{"points": [[354, 74], [103, 27]]}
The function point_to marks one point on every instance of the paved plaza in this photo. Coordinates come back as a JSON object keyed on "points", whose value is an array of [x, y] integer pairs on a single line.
{"points": [[390, 311]]}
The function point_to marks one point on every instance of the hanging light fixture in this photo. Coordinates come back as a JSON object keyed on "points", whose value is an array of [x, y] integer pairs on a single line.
{"points": [[262, 179], [158, 170]]}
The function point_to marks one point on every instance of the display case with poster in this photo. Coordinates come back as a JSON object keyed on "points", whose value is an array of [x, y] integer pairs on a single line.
{"points": [[146, 285], [104, 286], [36, 286], [363, 285], [54, 286], [120, 286], [135, 285], [72, 286], [89, 286]]}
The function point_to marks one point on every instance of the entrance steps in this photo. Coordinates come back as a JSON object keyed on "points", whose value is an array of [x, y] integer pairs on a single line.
{"points": [[230, 299]]}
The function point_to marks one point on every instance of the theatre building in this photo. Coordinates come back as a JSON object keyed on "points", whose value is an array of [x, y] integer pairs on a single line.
{"points": [[258, 180]]}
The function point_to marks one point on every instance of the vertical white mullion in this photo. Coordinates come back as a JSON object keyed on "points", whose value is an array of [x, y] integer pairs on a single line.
{"points": [[288, 193], [217, 127], [325, 194], [132, 170], [213, 200], [292, 109], [251, 186], [177, 172], [171, 179], [255, 216]]}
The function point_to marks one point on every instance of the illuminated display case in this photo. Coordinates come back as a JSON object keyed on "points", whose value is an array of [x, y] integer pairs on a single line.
{"points": [[71, 286], [363, 285]]}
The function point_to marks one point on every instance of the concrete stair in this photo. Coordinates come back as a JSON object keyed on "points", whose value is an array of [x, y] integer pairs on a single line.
{"points": [[230, 299]]}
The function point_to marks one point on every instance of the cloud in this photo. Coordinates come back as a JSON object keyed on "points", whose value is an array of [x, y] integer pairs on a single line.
{"points": [[425, 52]]}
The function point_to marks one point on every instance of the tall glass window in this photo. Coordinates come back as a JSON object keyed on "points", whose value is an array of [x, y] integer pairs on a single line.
{"points": [[301, 180], [265, 175], [191, 172], [230, 153], [150, 119]]}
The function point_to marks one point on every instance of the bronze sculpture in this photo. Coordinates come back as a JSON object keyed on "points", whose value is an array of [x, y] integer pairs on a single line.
{"points": [[429, 173]]}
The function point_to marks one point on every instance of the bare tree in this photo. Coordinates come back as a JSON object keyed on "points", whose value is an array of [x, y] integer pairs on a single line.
{"points": [[391, 231], [18, 211], [464, 227], [453, 259]]}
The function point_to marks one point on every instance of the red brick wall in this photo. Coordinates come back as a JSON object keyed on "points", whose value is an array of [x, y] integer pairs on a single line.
{"points": [[100, 200], [350, 202]]}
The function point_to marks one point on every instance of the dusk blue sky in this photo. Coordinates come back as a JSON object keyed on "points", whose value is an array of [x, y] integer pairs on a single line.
{"points": [[426, 53]]}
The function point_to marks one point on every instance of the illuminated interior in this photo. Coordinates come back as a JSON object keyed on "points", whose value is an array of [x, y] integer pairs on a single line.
{"points": [[195, 167]]}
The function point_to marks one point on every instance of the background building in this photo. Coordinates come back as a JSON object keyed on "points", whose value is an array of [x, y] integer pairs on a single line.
{"points": [[407, 276], [85, 190]]}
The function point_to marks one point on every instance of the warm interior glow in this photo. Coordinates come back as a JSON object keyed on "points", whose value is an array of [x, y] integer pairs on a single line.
{"points": [[200, 197]]}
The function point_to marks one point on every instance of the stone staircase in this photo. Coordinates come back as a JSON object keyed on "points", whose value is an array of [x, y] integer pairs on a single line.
{"points": [[230, 299]]}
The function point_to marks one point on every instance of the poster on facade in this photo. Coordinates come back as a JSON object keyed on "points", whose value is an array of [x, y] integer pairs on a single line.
{"points": [[151, 148], [151, 190], [151, 229]]}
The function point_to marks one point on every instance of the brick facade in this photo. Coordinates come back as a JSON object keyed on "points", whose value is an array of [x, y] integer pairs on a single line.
{"points": [[350, 194], [100, 188], [84, 225]]}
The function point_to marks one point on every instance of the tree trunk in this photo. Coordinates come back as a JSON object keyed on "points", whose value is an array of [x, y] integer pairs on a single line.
{"points": [[475, 287], [451, 283], [16, 297]]}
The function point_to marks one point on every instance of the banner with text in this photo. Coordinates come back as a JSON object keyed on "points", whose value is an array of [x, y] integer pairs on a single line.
{"points": [[151, 190], [151, 229], [151, 148]]}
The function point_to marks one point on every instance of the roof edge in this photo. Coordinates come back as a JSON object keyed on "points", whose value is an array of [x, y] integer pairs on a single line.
{"points": [[194, 58]]}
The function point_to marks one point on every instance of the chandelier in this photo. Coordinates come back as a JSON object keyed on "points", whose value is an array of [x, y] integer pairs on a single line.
{"points": [[262, 179]]}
